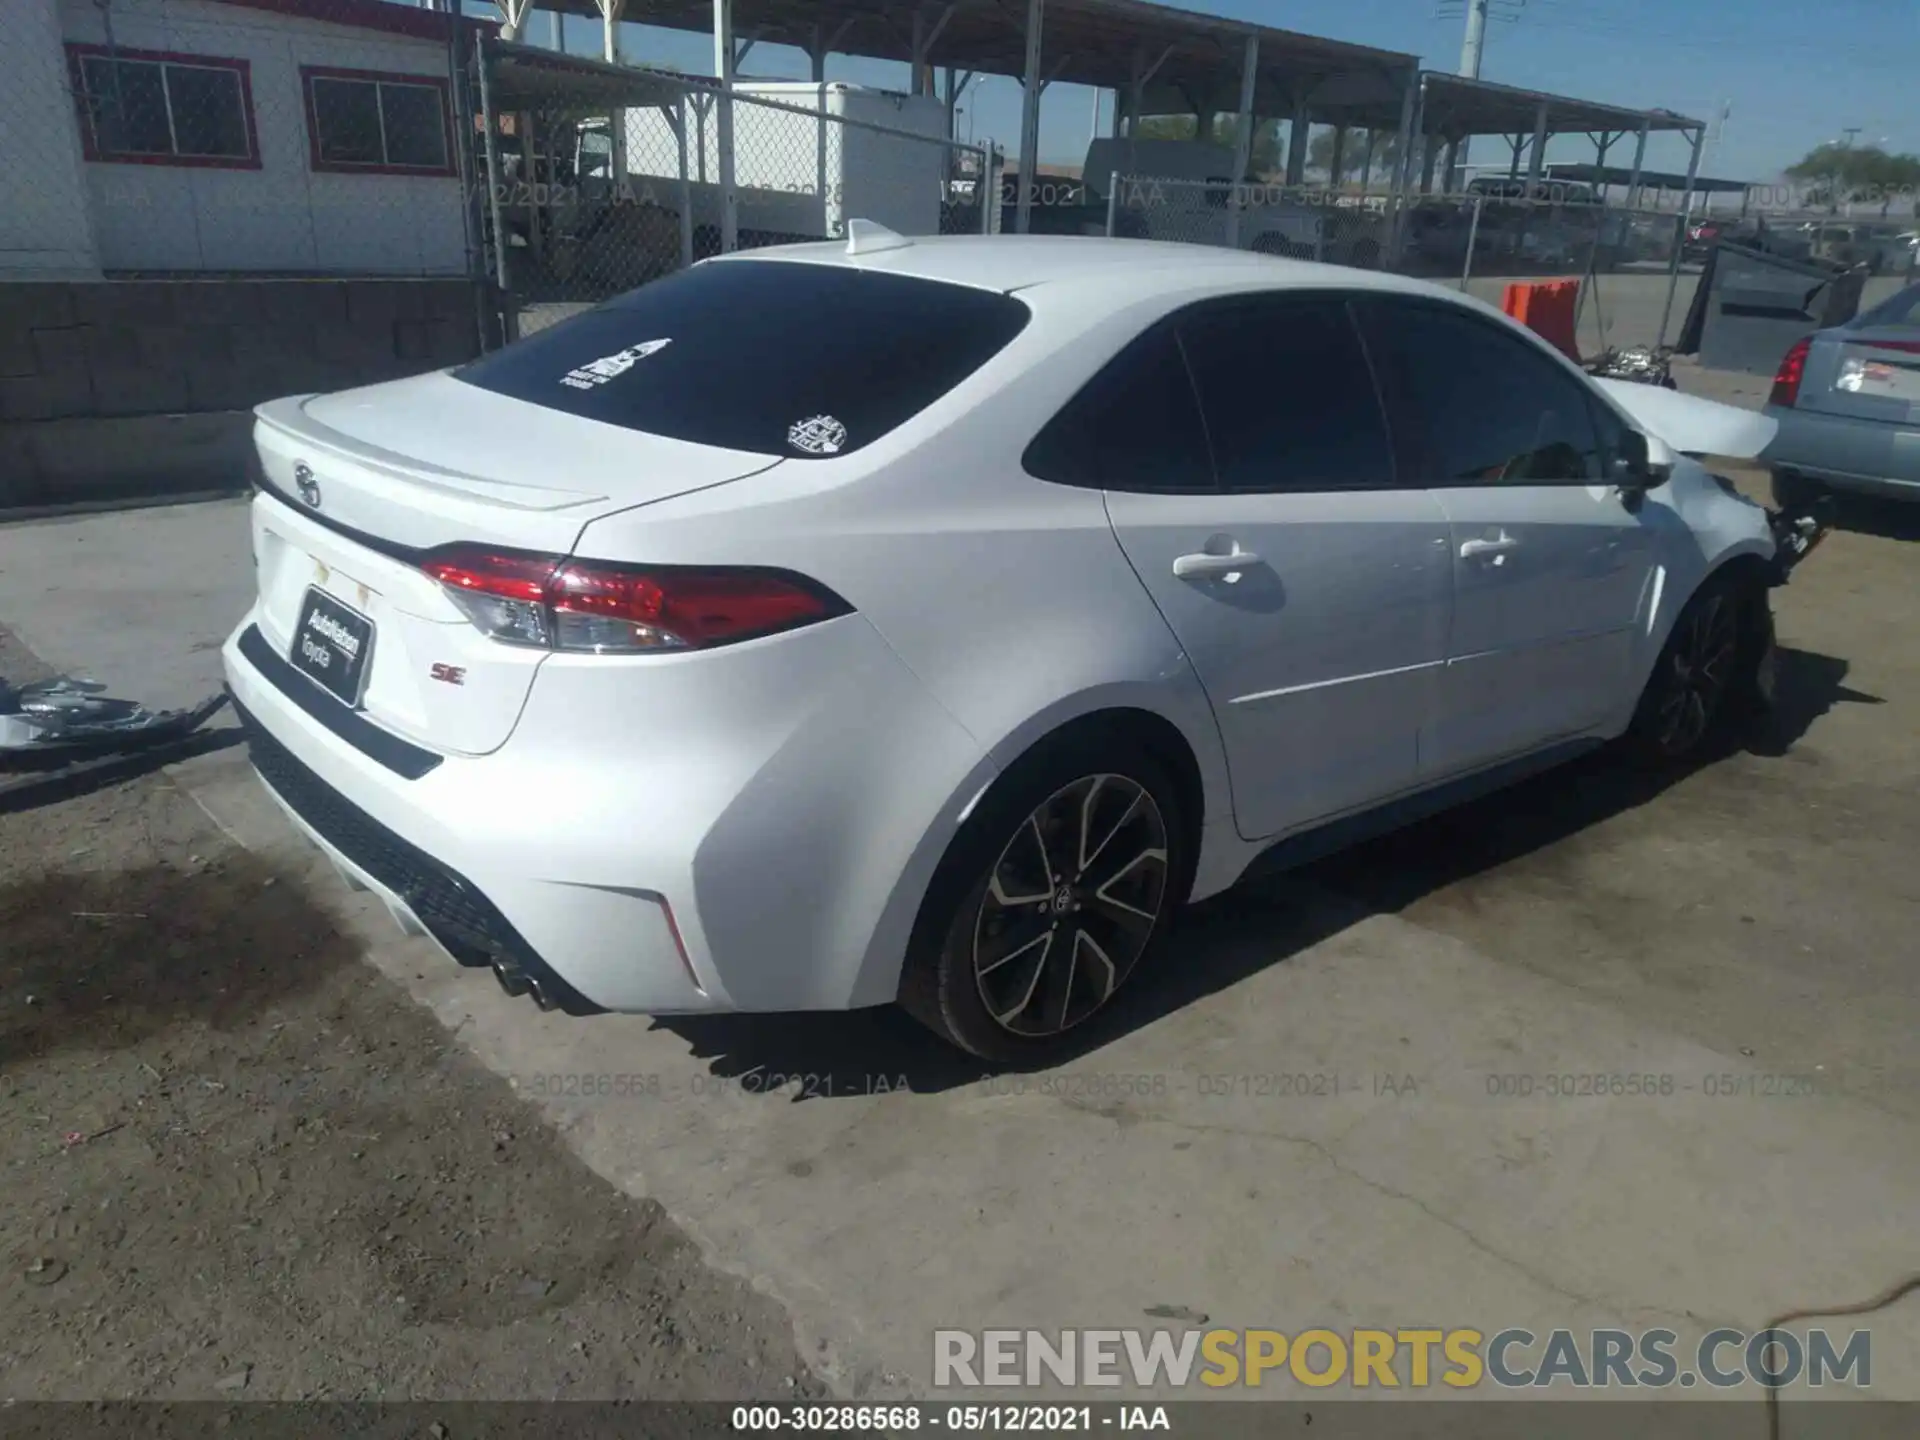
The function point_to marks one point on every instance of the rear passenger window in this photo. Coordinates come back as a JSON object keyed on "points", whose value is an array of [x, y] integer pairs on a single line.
{"points": [[1134, 426], [1289, 402], [1490, 409]]}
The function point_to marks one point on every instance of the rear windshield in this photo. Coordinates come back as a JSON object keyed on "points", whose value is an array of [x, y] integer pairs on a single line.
{"points": [[771, 356]]}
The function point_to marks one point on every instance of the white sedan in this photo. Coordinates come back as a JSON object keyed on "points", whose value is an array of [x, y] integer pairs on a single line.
{"points": [[926, 621]]}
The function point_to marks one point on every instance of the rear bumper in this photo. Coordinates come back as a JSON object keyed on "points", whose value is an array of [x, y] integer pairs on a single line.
{"points": [[747, 830], [1848, 454], [424, 896]]}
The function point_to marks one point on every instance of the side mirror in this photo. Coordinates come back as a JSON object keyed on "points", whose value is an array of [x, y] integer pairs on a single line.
{"points": [[1642, 463]]}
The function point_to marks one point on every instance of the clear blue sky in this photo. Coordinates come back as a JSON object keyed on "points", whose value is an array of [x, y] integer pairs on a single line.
{"points": [[1794, 72]]}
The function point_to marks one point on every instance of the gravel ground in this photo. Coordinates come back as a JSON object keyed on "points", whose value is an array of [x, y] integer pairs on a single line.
{"points": [[237, 1163]]}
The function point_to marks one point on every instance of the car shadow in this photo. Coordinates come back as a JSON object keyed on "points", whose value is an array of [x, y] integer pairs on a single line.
{"points": [[1875, 515], [1264, 920]]}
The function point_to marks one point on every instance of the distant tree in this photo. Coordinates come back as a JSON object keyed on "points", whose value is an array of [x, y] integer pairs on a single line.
{"points": [[1386, 149], [1835, 173], [1263, 158]]}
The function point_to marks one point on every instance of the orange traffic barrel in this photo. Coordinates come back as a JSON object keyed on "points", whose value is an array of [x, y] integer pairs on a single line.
{"points": [[1547, 308]]}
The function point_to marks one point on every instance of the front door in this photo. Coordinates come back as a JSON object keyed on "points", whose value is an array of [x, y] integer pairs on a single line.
{"points": [[1550, 566]]}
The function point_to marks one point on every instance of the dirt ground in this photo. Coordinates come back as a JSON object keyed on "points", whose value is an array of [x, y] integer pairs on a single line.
{"points": [[239, 1164]]}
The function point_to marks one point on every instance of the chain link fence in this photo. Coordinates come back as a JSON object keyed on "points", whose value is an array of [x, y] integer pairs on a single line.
{"points": [[600, 178], [1298, 221], [156, 138], [1629, 259]]}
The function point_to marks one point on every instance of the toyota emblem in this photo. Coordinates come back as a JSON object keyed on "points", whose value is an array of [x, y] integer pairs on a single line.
{"points": [[308, 487]]}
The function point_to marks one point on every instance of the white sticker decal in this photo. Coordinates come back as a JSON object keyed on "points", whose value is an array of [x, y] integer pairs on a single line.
{"points": [[822, 435], [609, 367]]}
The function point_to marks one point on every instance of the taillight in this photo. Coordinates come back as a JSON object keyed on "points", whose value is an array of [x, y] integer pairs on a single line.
{"points": [[1786, 380], [554, 603]]}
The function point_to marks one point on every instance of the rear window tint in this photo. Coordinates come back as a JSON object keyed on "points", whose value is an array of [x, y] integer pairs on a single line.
{"points": [[769, 356]]}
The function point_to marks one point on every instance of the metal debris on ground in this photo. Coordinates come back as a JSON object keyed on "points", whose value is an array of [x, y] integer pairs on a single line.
{"points": [[1642, 363], [69, 716], [60, 730]]}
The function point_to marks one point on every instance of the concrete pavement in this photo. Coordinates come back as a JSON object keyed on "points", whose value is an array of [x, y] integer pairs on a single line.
{"points": [[1306, 1117]]}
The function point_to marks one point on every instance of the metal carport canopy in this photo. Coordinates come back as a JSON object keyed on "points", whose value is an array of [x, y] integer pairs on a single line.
{"points": [[1457, 107], [1187, 59]]}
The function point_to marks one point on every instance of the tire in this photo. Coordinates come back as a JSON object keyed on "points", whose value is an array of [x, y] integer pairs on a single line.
{"points": [[1709, 671], [1010, 890]]}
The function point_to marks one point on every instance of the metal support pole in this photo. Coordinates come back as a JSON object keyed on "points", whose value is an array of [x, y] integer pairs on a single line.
{"points": [[1242, 142], [1537, 160], [530, 176], [1429, 158], [1298, 130], [1474, 44], [1680, 236], [1472, 47], [682, 117], [1113, 203], [1515, 143], [487, 125], [1639, 159], [1473, 238], [723, 70], [1335, 160], [1412, 98], [1673, 276], [1693, 170], [617, 180], [1366, 162], [989, 184], [1029, 119]]}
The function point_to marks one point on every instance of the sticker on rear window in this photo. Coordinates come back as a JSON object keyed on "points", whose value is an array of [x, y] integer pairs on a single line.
{"points": [[611, 367], [822, 435]]}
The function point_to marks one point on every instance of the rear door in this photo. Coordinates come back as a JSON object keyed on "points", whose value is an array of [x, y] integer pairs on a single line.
{"points": [[1550, 567], [1307, 584]]}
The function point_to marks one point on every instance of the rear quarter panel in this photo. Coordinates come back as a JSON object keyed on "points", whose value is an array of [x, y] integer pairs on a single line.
{"points": [[1008, 598]]}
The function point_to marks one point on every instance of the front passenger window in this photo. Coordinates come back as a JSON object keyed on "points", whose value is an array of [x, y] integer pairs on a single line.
{"points": [[1489, 409]]}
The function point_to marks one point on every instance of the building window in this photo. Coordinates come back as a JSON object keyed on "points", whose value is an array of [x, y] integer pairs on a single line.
{"points": [[360, 122], [146, 107]]}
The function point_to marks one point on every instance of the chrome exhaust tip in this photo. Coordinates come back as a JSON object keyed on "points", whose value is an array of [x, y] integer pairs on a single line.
{"points": [[511, 980], [539, 993]]}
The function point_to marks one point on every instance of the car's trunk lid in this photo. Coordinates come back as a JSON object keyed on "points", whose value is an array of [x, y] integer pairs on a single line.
{"points": [[1867, 374], [430, 460], [361, 485]]}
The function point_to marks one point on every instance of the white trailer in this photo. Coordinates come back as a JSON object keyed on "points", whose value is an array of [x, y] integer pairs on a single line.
{"points": [[797, 169]]}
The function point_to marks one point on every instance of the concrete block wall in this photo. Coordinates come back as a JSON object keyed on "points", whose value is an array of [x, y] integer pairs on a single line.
{"points": [[154, 347], [111, 389]]}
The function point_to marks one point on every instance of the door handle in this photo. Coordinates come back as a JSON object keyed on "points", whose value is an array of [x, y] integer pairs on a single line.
{"points": [[1473, 549], [1202, 566]]}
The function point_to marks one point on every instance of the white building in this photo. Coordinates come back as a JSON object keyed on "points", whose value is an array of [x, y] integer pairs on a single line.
{"points": [[289, 136]]}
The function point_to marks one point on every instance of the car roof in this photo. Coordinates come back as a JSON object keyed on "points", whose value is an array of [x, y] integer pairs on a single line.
{"points": [[1021, 262]]}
